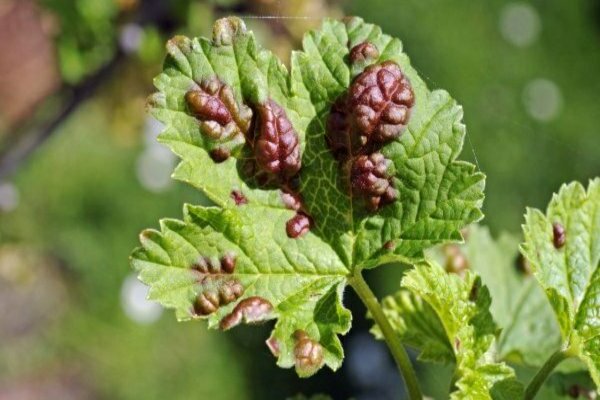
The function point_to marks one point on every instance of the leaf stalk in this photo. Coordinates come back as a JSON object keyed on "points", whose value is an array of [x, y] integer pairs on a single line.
{"points": [[392, 340], [541, 376]]}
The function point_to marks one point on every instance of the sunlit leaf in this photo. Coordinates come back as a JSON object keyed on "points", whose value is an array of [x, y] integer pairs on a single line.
{"points": [[284, 248]]}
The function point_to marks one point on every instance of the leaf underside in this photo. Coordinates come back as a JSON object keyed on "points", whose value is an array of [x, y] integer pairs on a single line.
{"points": [[563, 247], [300, 280]]}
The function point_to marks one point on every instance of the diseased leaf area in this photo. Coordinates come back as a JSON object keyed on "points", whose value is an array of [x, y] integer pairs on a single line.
{"points": [[448, 319], [344, 162], [563, 247]]}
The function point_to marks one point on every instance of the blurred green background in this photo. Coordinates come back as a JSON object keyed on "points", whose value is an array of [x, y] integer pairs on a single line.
{"points": [[81, 174]]}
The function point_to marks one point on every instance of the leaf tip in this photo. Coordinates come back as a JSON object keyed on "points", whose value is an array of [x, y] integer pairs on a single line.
{"points": [[226, 29]]}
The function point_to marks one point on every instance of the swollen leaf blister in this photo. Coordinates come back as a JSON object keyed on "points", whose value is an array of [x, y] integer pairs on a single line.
{"points": [[308, 354], [217, 287], [250, 311], [222, 120], [380, 101], [371, 180], [276, 145]]}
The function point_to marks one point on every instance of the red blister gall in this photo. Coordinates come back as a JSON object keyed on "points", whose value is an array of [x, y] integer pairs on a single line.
{"points": [[223, 120], [274, 346], [364, 52], [308, 354], [250, 311], [559, 236], [276, 146], [380, 101], [291, 200], [238, 197], [218, 287], [219, 154], [298, 225], [370, 179]]}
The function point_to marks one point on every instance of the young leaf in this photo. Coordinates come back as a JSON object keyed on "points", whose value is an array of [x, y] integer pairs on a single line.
{"points": [[456, 326], [292, 258], [563, 247], [418, 325], [529, 333]]}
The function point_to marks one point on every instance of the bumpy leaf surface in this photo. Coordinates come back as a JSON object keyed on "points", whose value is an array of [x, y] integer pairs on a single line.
{"points": [[302, 276], [563, 247], [448, 318], [529, 332]]}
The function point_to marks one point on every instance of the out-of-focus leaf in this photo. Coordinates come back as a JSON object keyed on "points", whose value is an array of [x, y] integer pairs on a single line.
{"points": [[529, 333], [563, 247]]}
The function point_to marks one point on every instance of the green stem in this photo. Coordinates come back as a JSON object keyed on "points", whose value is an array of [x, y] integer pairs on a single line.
{"points": [[543, 373], [393, 341]]}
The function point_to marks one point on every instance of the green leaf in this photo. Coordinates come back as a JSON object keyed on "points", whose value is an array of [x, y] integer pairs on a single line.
{"points": [[418, 325], [438, 195], [567, 267], [529, 332], [299, 282], [455, 325]]}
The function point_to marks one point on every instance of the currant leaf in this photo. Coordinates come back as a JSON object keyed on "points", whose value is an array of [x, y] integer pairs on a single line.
{"points": [[563, 247], [298, 282], [284, 205], [529, 332], [450, 319]]}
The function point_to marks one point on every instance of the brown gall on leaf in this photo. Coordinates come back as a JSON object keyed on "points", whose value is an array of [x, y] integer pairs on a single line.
{"points": [[380, 101], [389, 245], [307, 353], [298, 225], [456, 260], [370, 179], [365, 52], [238, 197], [361, 56], [274, 346], [291, 200], [219, 154], [226, 29], [249, 311], [228, 263], [222, 119], [523, 265], [218, 288], [342, 138], [276, 146], [576, 391], [559, 236]]}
